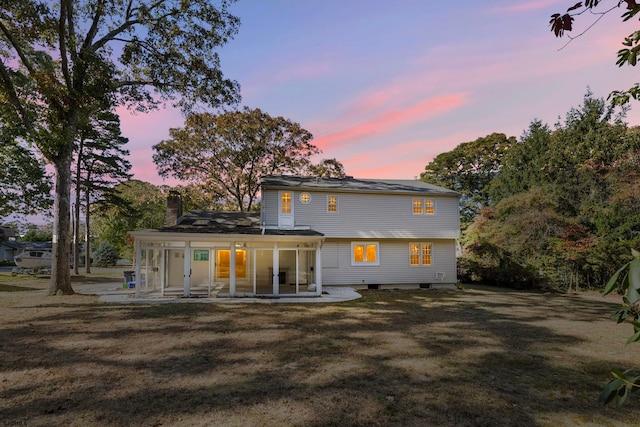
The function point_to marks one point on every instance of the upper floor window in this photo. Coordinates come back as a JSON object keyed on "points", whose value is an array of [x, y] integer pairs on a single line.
{"points": [[285, 202], [420, 254], [305, 198], [365, 253], [332, 204], [429, 207], [417, 206], [424, 206]]}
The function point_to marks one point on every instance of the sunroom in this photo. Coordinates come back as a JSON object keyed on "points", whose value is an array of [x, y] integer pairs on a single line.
{"points": [[226, 254]]}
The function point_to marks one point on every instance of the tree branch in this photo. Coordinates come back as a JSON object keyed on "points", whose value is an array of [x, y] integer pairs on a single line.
{"points": [[64, 15], [16, 46], [93, 30], [130, 23], [14, 100]]}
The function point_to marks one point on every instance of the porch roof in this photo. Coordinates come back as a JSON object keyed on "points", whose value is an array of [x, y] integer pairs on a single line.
{"points": [[229, 223]]}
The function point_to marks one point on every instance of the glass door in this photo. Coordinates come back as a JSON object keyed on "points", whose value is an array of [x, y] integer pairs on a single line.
{"points": [[287, 271], [264, 271]]}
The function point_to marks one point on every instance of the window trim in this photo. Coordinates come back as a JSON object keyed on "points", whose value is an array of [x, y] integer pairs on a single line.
{"points": [[433, 206], [305, 195], [420, 254], [365, 263], [286, 203], [424, 209], [329, 196], [414, 205]]}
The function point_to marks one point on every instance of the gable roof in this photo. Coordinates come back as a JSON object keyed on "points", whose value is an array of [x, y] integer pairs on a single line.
{"points": [[215, 222], [350, 184]]}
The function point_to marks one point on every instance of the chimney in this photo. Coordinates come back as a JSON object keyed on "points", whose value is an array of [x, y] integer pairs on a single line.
{"points": [[174, 209]]}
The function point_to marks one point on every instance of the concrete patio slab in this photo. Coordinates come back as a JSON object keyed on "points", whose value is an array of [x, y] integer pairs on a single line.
{"points": [[113, 293]]}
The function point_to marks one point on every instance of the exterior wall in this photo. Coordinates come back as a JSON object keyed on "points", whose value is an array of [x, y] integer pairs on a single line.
{"points": [[394, 268], [269, 206], [7, 253], [369, 215]]}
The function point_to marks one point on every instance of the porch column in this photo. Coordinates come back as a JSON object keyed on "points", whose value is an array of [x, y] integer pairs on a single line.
{"points": [[276, 270], [147, 261], [187, 268], [232, 269], [163, 270], [138, 252], [319, 270]]}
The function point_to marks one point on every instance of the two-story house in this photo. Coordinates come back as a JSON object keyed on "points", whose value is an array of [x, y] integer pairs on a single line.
{"points": [[311, 232]]}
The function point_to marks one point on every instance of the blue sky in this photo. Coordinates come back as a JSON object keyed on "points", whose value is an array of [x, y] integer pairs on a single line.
{"points": [[385, 86]]}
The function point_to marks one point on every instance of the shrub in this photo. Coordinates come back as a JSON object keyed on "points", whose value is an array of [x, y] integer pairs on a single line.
{"points": [[106, 255]]}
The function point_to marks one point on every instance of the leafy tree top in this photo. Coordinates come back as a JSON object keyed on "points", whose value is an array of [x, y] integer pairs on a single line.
{"points": [[228, 153]]}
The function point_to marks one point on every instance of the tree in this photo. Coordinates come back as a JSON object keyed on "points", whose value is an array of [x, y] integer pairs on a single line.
{"points": [[524, 167], [572, 158], [101, 163], [469, 169], [563, 22], [37, 233], [327, 168], [64, 61], [133, 205], [106, 255], [228, 153], [195, 197], [25, 187]]}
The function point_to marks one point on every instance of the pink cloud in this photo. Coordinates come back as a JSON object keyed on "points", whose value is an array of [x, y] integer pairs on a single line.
{"points": [[533, 5], [393, 119]]}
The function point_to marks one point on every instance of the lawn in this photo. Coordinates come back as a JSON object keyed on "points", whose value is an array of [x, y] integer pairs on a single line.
{"points": [[472, 357]]}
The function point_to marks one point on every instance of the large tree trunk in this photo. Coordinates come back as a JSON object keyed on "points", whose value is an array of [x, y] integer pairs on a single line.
{"points": [[60, 271], [76, 212], [87, 240], [76, 234]]}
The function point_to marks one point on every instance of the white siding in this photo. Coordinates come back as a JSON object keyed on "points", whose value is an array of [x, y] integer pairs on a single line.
{"points": [[394, 268], [269, 207], [370, 215]]}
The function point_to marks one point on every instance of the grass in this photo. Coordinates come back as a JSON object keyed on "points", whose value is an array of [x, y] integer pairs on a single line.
{"points": [[474, 357]]}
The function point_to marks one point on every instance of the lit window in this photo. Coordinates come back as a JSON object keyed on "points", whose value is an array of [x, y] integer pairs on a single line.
{"points": [[420, 254], [426, 254], [332, 204], [285, 203], [364, 253], [305, 198], [414, 254], [429, 207], [417, 206]]}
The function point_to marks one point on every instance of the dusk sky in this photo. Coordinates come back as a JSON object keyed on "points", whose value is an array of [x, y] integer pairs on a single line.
{"points": [[385, 86]]}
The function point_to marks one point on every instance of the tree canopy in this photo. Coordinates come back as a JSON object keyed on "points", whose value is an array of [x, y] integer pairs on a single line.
{"points": [[470, 169], [559, 208], [228, 153], [63, 61], [133, 205], [25, 187]]}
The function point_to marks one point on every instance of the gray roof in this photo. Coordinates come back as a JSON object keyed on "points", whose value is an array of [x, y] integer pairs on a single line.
{"points": [[229, 223], [350, 184]]}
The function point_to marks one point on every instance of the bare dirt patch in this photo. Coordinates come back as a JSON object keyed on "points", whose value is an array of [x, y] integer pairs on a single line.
{"points": [[470, 357]]}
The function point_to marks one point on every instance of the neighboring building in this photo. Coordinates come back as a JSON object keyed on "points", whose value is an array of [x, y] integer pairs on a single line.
{"points": [[311, 232], [9, 249]]}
